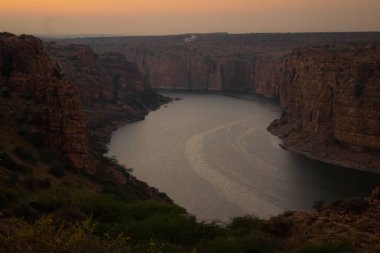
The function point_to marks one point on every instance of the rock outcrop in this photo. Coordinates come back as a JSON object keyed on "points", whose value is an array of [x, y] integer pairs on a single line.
{"points": [[27, 70], [353, 221], [112, 89], [330, 97]]}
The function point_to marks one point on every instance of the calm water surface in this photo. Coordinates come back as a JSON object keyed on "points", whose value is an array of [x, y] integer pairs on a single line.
{"points": [[212, 155]]}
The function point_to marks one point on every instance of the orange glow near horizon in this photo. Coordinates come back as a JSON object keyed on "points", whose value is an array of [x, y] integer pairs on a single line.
{"points": [[178, 15], [114, 7]]}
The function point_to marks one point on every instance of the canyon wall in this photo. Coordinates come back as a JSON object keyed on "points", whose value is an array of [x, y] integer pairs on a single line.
{"points": [[331, 102], [29, 72], [327, 83], [111, 88], [219, 61]]}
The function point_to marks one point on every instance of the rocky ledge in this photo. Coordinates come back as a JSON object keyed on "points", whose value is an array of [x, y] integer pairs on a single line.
{"points": [[28, 72]]}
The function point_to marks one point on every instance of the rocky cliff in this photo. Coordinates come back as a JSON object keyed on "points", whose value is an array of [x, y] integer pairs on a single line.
{"points": [[331, 101], [28, 73], [111, 88], [327, 83], [220, 62]]}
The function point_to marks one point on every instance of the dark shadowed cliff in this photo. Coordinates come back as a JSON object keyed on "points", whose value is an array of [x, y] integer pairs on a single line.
{"points": [[112, 89], [53, 107]]}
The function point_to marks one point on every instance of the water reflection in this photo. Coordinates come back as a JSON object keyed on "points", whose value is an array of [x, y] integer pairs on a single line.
{"points": [[213, 156]]}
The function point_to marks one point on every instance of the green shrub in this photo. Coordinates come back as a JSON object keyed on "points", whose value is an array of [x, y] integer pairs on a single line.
{"points": [[5, 93], [36, 138], [279, 226], [46, 201], [22, 118], [56, 159], [25, 211], [12, 179], [36, 119], [24, 155], [7, 196], [235, 245], [246, 224], [49, 235], [36, 183], [117, 191], [325, 248], [8, 162], [57, 170]]}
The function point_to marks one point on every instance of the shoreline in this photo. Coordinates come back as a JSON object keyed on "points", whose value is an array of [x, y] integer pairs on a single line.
{"points": [[334, 162], [290, 147]]}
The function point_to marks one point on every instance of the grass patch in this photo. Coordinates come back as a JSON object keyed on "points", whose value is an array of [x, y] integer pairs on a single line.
{"points": [[59, 236]]}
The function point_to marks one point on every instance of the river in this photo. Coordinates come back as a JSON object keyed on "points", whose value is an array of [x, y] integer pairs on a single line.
{"points": [[213, 155]]}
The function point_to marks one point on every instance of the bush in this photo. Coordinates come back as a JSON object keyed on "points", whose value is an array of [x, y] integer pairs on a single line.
{"points": [[36, 183], [36, 119], [7, 161], [354, 205], [246, 224], [25, 211], [5, 93], [49, 235], [12, 180], [325, 248], [236, 245], [57, 170], [7, 196], [23, 118], [279, 226], [56, 159], [24, 155], [36, 138]]}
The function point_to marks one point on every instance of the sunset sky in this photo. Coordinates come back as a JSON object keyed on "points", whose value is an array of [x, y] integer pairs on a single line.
{"points": [[144, 17]]}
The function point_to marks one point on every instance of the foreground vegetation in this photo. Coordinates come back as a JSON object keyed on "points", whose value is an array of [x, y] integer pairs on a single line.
{"points": [[46, 205]]}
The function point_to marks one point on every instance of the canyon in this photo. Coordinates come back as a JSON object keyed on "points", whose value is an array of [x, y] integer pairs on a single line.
{"points": [[326, 83], [111, 88], [41, 111]]}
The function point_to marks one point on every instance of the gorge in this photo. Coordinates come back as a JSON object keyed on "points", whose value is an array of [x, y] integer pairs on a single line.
{"points": [[213, 155], [59, 192], [326, 83]]}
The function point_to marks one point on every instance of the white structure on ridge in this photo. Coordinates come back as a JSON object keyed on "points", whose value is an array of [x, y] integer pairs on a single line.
{"points": [[191, 39]]}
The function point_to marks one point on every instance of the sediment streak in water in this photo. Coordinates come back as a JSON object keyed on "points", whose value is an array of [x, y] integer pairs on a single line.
{"points": [[233, 191]]}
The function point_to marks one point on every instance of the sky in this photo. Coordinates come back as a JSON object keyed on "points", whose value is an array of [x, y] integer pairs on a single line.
{"points": [[162, 17]]}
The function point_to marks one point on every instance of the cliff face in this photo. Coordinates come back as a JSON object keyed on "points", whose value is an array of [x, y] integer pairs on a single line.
{"points": [[331, 103], [27, 70], [221, 62], [327, 84], [111, 88]]}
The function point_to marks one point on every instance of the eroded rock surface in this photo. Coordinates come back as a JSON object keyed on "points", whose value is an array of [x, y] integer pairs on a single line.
{"points": [[29, 71]]}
